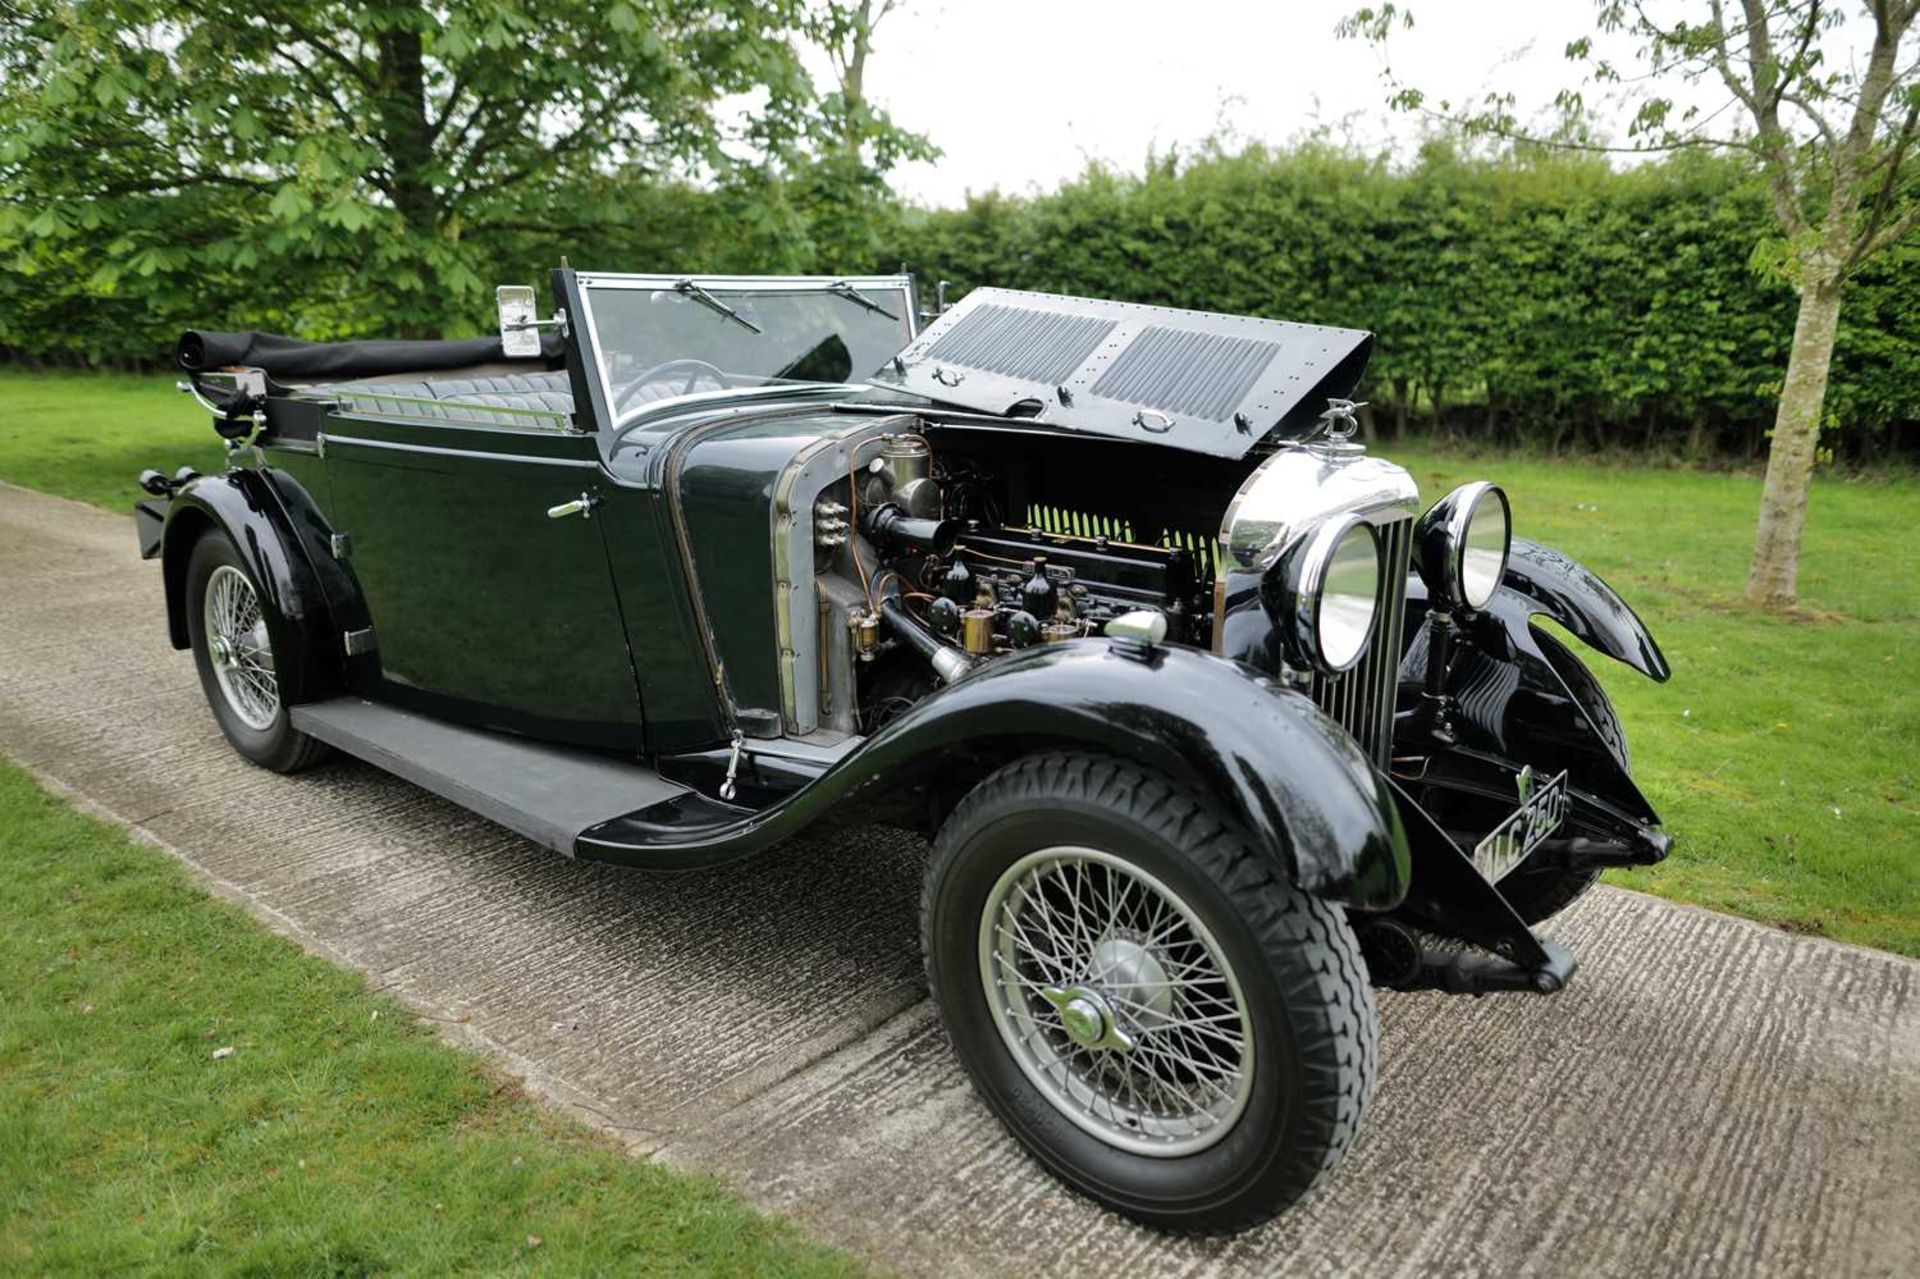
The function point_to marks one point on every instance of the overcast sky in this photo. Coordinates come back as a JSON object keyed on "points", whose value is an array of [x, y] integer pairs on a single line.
{"points": [[1022, 93]]}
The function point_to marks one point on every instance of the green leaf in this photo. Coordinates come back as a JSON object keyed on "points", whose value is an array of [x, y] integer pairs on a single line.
{"points": [[290, 203]]}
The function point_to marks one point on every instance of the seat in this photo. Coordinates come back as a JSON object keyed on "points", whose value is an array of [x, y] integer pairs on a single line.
{"points": [[467, 399]]}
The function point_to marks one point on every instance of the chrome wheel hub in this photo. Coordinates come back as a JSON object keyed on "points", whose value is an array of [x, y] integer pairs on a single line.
{"points": [[1086, 1018], [239, 648], [1135, 975], [1116, 1001]]}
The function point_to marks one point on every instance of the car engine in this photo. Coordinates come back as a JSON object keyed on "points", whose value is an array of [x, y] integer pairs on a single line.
{"points": [[928, 575]]}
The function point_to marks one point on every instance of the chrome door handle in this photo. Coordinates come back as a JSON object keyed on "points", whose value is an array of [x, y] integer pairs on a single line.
{"points": [[582, 505]]}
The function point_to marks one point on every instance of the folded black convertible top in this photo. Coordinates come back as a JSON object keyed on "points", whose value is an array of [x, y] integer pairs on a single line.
{"points": [[285, 357]]}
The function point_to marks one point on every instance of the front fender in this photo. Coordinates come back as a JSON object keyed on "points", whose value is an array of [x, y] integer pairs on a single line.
{"points": [[1562, 588], [1512, 702], [241, 504], [1267, 757]]}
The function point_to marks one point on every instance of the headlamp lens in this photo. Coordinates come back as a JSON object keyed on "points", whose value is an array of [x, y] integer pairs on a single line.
{"points": [[1483, 551], [1349, 598]]}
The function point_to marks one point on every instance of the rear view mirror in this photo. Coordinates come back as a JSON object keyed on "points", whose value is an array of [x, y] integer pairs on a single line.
{"points": [[519, 331]]}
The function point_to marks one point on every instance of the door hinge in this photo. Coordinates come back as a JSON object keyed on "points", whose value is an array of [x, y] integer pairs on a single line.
{"points": [[357, 643], [340, 544]]}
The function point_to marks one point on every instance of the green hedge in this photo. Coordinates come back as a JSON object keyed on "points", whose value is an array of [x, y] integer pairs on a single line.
{"points": [[1547, 302]]}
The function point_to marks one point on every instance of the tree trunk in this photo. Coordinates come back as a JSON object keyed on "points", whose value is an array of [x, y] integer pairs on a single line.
{"points": [[853, 79], [1773, 580], [1697, 437], [407, 135]]}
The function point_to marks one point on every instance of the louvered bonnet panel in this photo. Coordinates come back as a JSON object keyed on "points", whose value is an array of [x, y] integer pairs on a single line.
{"points": [[1032, 346], [1214, 384]]}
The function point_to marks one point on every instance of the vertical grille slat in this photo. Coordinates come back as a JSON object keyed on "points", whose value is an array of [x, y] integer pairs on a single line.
{"points": [[1362, 699]]}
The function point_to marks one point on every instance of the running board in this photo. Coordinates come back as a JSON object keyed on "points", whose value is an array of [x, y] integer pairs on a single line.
{"points": [[547, 793]]}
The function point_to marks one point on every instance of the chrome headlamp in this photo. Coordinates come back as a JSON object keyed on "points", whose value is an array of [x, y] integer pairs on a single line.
{"points": [[1324, 592], [1463, 544]]}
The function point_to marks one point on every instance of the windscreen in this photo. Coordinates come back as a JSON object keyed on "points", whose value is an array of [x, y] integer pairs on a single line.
{"points": [[657, 337]]}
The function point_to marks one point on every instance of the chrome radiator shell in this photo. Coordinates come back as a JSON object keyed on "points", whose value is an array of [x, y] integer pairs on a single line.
{"points": [[1283, 500], [1362, 698]]}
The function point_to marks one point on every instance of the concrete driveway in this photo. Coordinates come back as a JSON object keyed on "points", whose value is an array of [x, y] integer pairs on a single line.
{"points": [[1709, 1096]]}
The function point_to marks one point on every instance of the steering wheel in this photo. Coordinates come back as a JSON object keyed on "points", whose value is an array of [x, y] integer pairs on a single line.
{"points": [[695, 370]]}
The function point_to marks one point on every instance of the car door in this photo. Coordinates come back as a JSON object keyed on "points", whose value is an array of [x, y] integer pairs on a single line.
{"points": [[486, 607]]}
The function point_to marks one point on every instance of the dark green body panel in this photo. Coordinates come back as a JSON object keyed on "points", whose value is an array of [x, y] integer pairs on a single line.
{"points": [[484, 609], [683, 709], [726, 482], [713, 468]]}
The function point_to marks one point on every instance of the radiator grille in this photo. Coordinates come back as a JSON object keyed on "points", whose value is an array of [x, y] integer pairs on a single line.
{"points": [[1039, 346], [1058, 519], [1362, 699], [1179, 371]]}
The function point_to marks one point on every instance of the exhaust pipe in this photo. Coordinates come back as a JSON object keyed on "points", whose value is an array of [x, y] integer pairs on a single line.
{"points": [[948, 663]]}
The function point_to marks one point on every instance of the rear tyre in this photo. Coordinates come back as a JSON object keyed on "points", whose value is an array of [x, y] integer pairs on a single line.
{"points": [[242, 648], [1544, 892], [1165, 1023]]}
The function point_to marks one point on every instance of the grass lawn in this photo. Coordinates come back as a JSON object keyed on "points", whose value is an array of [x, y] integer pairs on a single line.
{"points": [[181, 1091], [88, 436], [1784, 755]]}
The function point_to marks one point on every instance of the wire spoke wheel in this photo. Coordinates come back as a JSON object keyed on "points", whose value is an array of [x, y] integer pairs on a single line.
{"points": [[1116, 1001], [239, 648]]}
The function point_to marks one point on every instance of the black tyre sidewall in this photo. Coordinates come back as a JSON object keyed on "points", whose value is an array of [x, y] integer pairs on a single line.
{"points": [[280, 747], [1245, 1165]]}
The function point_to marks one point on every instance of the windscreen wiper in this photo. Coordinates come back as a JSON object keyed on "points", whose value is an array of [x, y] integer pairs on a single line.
{"points": [[707, 299], [852, 294]]}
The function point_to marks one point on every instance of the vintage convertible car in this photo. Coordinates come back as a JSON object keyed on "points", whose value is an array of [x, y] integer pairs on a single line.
{"points": [[1211, 727]]}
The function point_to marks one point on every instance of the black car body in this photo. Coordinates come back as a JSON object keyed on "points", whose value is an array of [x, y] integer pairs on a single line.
{"points": [[719, 559]]}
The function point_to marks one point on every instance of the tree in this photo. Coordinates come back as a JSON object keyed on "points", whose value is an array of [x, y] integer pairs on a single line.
{"points": [[382, 151], [1833, 136], [854, 143]]}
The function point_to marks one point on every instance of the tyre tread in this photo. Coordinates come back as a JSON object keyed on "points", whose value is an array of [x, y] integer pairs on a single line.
{"points": [[1328, 994]]}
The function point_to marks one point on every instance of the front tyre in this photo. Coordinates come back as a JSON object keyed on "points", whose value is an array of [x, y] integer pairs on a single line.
{"points": [[241, 650], [1168, 1025], [1538, 893]]}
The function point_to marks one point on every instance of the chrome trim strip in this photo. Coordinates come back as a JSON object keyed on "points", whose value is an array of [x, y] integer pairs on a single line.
{"points": [[323, 439], [740, 283], [371, 405]]}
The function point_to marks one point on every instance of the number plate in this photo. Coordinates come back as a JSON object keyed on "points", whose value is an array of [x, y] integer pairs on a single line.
{"points": [[1509, 843]]}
